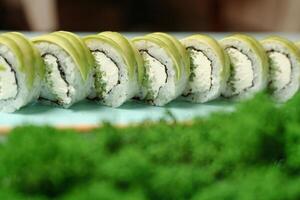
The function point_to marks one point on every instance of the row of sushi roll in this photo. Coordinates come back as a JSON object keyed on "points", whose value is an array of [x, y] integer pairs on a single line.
{"points": [[62, 68]]}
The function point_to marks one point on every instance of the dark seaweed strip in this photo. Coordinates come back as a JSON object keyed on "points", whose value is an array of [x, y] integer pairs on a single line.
{"points": [[48, 100], [15, 75], [252, 67], [288, 56]]}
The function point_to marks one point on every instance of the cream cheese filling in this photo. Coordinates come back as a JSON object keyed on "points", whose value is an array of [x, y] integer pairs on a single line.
{"points": [[107, 73], [201, 72], [156, 73], [55, 82], [242, 74]]}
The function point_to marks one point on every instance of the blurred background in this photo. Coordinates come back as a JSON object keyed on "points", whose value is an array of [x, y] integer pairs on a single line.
{"points": [[150, 15]]}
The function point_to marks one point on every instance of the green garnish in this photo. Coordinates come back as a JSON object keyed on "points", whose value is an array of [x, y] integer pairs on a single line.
{"points": [[100, 85], [249, 153]]}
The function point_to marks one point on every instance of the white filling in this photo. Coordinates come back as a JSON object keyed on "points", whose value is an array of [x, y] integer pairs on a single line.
{"points": [[280, 70], [8, 85], [242, 72], [108, 70], [201, 80], [156, 73], [54, 81]]}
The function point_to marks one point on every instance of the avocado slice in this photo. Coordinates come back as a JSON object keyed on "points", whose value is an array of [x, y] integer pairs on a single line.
{"points": [[211, 42], [180, 48], [73, 43], [39, 64], [113, 44], [125, 47], [81, 48], [68, 47], [16, 50], [292, 47], [256, 47], [172, 48], [31, 60], [260, 49], [166, 48]]}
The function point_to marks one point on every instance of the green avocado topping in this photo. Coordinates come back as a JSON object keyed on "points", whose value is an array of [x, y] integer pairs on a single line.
{"points": [[74, 47], [170, 51], [116, 46], [216, 48], [185, 60], [28, 61]]}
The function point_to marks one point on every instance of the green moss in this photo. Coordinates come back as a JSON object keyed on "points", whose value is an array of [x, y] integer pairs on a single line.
{"points": [[252, 153]]}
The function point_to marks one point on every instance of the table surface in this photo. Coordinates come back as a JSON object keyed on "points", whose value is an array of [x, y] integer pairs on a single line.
{"points": [[87, 113]]}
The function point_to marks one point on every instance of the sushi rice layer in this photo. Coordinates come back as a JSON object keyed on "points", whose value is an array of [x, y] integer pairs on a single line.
{"points": [[63, 83], [166, 65], [69, 68], [242, 68], [209, 68], [160, 76], [114, 83], [21, 72], [248, 67], [62, 68], [284, 67]]}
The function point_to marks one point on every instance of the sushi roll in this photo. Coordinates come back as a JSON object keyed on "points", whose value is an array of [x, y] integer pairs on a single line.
{"points": [[284, 67], [209, 68], [21, 72], [118, 68], [69, 68], [248, 66], [166, 65]]}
